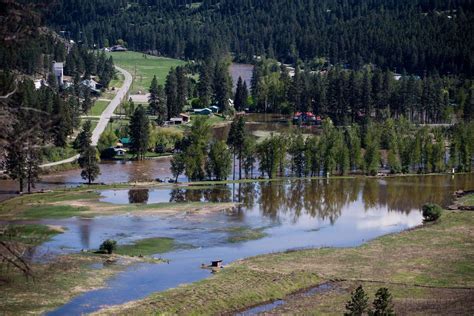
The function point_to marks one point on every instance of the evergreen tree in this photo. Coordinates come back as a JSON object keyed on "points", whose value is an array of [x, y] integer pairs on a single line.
{"points": [[83, 140], [171, 90], [240, 98], [32, 168], [89, 163], [16, 163], [235, 140], [383, 303], [153, 98], [358, 303], [205, 84], [222, 86], [139, 133]]}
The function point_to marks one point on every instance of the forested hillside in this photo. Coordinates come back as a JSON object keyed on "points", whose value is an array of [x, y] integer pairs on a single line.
{"points": [[411, 35]]}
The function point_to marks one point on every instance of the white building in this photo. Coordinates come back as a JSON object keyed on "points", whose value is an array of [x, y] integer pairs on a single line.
{"points": [[58, 69]]}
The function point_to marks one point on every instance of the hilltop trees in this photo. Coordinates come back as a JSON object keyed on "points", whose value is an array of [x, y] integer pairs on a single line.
{"points": [[139, 133]]}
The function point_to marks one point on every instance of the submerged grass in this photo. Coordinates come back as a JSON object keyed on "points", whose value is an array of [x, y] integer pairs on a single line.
{"points": [[29, 234], [437, 255], [148, 246], [243, 233]]}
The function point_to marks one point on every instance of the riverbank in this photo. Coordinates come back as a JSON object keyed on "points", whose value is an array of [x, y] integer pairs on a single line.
{"points": [[427, 269]]}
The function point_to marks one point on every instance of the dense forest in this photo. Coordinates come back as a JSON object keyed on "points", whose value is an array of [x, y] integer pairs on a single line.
{"points": [[352, 96], [36, 120], [410, 35]]}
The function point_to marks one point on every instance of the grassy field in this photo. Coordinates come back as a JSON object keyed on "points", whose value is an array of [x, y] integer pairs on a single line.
{"points": [[427, 269], [98, 107], [144, 67], [146, 247]]}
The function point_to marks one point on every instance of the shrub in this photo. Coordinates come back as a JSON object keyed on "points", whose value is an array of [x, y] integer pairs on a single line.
{"points": [[357, 305], [383, 303], [108, 246], [431, 212]]}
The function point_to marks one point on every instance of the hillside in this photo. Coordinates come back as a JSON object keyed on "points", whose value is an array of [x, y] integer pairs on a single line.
{"points": [[412, 35]]}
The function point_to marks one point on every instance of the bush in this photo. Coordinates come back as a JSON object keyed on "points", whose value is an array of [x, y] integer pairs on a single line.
{"points": [[431, 212], [383, 303], [108, 246], [358, 304]]}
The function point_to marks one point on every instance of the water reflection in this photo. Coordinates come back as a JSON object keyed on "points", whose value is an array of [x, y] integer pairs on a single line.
{"points": [[319, 198], [138, 196]]}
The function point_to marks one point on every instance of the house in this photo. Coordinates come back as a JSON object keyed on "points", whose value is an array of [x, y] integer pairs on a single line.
{"points": [[120, 151], [93, 85], [214, 108], [125, 141], [205, 111], [306, 118], [58, 71], [118, 48], [175, 121], [186, 118]]}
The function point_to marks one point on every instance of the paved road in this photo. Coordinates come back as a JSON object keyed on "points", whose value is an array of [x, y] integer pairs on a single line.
{"points": [[104, 118]]}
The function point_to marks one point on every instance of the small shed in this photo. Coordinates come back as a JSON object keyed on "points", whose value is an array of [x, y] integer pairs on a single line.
{"points": [[216, 263], [176, 121], [186, 118]]}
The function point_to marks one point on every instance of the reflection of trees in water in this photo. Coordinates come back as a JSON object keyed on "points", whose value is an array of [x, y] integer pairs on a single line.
{"points": [[177, 195], [218, 194], [138, 195], [215, 194], [404, 194], [272, 198]]}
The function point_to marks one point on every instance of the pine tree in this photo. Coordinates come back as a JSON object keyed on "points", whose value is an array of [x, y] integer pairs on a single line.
{"points": [[205, 84], [222, 86], [383, 303], [358, 304], [235, 140], [171, 90], [182, 90], [83, 140], [32, 167], [241, 95], [89, 163], [153, 98], [139, 133]]}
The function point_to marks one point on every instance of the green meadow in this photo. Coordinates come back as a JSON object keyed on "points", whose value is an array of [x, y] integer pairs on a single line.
{"points": [[143, 67]]}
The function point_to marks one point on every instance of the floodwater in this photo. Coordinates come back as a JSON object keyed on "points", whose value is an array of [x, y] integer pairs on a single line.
{"points": [[241, 70], [293, 215], [146, 170]]}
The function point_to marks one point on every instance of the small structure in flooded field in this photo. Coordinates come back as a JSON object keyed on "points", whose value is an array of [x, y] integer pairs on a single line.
{"points": [[214, 266]]}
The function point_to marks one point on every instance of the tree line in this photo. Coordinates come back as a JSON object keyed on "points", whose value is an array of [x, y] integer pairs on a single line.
{"points": [[394, 145], [353, 96]]}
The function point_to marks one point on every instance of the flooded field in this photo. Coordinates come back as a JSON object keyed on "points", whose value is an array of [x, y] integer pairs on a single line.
{"points": [[271, 217]]}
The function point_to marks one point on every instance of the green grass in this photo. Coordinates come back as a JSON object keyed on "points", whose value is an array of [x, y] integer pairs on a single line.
{"points": [[467, 199], [98, 107], [438, 255], [118, 81], [52, 211], [146, 247], [243, 233], [30, 234], [143, 69]]}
